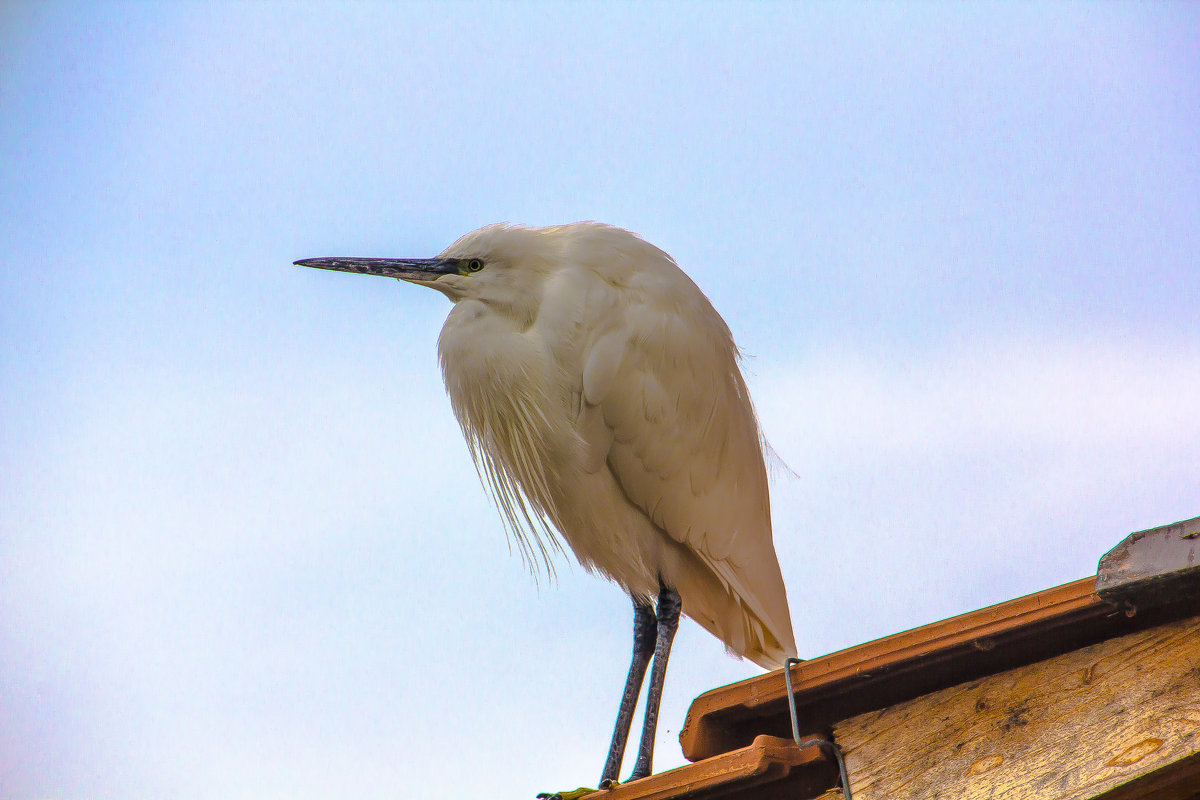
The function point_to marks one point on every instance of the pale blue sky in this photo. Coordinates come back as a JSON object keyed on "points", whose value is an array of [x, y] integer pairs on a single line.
{"points": [[242, 549]]}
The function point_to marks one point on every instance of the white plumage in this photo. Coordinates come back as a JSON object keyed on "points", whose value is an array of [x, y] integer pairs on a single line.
{"points": [[600, 390], [600, 396]]}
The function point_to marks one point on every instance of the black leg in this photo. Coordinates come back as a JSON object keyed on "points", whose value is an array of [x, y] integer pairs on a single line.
{"points": [[669, 606], [644, 630]]}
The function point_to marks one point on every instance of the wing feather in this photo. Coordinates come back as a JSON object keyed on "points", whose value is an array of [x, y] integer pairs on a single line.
{"points": [[683, 442]]}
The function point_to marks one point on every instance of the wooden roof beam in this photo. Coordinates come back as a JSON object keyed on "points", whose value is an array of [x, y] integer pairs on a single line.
{"points": [[1112, 720]]}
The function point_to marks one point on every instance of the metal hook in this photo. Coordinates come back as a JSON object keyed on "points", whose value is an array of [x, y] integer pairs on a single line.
{"points": [[828, 744]]}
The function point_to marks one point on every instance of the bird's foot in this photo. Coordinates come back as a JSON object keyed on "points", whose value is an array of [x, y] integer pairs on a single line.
{"points": [[570, 794]]}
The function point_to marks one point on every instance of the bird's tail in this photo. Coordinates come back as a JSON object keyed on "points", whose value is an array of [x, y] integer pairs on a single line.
{"points": [[747, 636], [747, 631]]}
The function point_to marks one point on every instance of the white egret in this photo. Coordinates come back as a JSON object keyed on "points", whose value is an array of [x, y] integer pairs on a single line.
{"points": [[600, 395]]}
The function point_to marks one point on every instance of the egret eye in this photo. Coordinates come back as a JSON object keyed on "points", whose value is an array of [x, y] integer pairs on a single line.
{"points": [[472, 265]]}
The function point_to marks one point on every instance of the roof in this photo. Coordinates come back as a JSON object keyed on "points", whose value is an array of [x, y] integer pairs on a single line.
{"points": [[740, 736]]}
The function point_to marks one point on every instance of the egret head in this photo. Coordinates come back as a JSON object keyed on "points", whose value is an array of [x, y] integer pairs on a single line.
{"points": [[502, 265], [508, 267]]}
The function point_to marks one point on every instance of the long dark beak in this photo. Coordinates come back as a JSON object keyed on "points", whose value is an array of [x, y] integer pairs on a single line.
{"points": [[419, 269]]}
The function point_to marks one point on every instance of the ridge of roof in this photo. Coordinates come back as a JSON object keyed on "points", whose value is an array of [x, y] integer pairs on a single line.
{"points": [[904, 665]]}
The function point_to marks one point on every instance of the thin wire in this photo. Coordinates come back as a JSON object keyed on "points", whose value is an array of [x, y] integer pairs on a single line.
{"points": [[828, 744]]}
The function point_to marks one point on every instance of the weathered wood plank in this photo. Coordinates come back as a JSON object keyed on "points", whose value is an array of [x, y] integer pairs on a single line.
{"points": [[1152, 567], [900, 667], [1073, 726]]}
